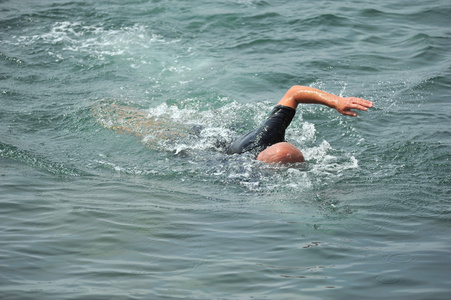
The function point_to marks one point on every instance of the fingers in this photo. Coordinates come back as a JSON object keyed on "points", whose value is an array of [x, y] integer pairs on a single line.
{"points": [[345, 105], [357, 103], [361, 102], [358, 106], [349, 113]]}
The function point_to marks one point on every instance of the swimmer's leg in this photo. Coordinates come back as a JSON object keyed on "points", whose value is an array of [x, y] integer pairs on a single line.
{"points": [[121, 118], [131, 120]]}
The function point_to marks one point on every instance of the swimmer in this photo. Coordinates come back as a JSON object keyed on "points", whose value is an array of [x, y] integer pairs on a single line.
{"points": [[267, 142]]}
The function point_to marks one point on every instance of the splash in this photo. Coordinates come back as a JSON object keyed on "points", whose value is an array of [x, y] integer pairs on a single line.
{"points": [[197, 140]]}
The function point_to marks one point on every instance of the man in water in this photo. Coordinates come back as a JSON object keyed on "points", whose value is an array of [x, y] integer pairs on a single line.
{"points": [[267, 142]]}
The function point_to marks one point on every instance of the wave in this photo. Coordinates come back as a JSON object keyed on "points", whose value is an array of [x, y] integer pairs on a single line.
{"points": [[39, 162]]}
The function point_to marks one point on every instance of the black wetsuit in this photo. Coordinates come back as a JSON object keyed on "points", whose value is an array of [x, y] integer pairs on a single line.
{"points": [[272, 131]]}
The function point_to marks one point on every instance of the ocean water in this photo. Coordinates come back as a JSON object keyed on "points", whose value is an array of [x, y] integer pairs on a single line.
{"points": [[88, 212]]}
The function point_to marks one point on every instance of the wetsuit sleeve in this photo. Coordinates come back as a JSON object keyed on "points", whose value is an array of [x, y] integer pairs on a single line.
{"points": [[270, 132]]}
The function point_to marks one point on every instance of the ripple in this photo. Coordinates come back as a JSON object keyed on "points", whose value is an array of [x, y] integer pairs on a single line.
{"points": [[388, 279], [400, 258], [12, 152]]}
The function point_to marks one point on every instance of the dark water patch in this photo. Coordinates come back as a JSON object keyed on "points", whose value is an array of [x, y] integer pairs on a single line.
{"points": [[11, 152], [431, 16]]}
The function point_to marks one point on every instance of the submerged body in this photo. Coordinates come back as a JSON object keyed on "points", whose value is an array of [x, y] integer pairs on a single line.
{"points": [[133, 121], [267, 142]]}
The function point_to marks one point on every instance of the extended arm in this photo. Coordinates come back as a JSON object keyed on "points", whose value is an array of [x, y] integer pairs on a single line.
{"points": [[302, 94]]}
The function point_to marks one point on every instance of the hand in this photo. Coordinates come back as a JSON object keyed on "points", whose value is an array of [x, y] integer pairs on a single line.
{"points": [[344, 105]]}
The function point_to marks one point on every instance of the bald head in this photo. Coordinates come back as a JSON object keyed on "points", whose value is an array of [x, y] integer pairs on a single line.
{"points": [[281, 153]]}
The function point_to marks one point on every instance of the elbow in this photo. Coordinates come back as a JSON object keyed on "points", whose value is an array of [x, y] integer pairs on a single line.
{"points": [[296, 89]]}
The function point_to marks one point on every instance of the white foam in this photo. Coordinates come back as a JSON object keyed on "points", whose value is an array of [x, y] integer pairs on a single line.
{"points": [[329, 163], [96, 40], [172, 112], [318, 153]]}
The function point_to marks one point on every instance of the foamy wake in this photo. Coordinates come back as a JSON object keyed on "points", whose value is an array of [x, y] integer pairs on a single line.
{"points": [[94, 40]]}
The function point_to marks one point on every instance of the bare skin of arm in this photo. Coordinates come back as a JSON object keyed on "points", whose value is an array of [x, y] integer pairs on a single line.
{"points": [[303, 94]]}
